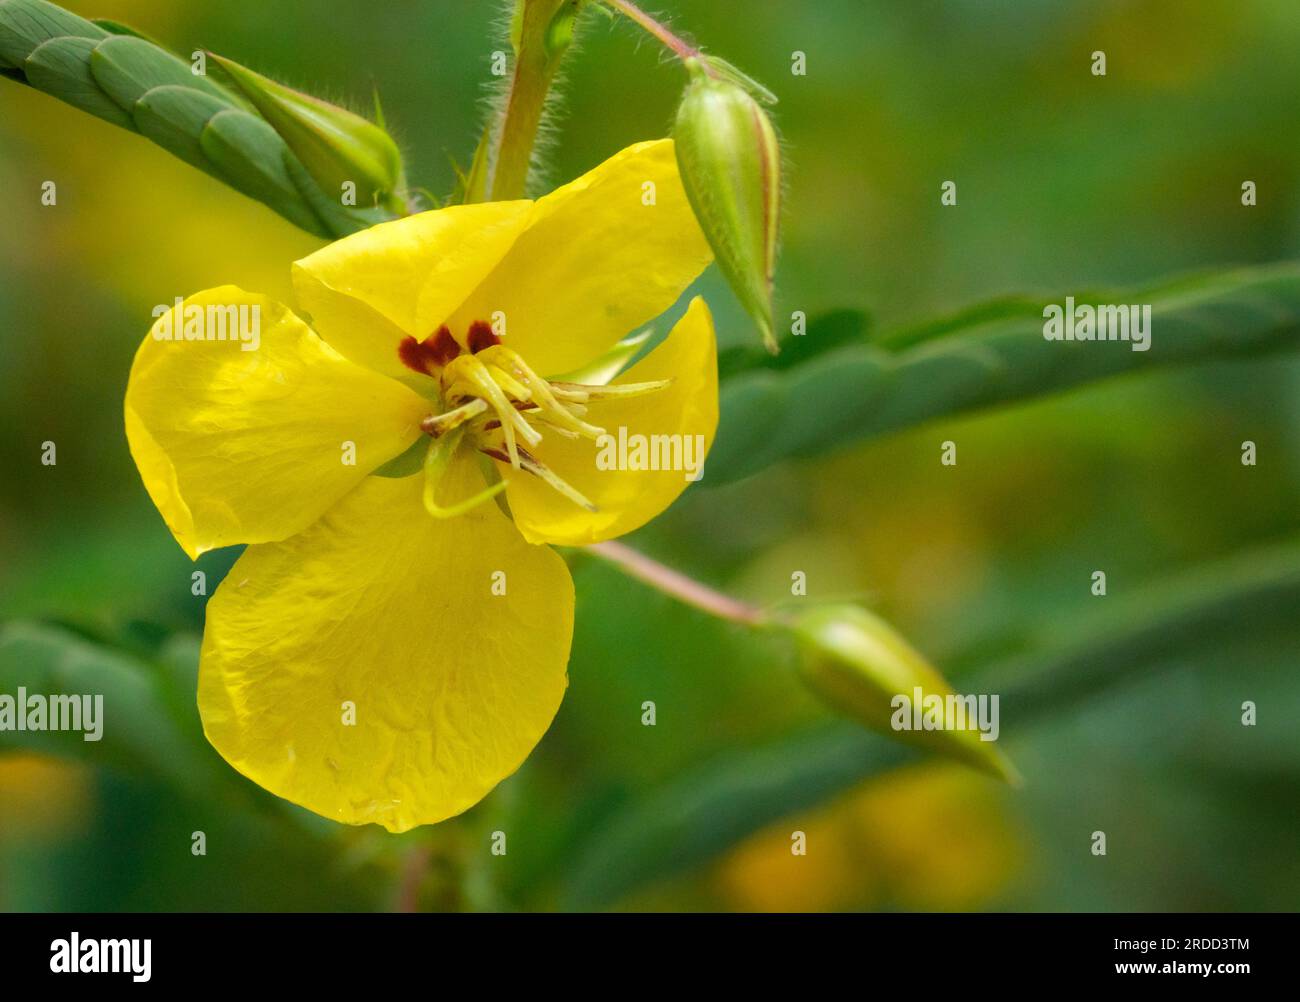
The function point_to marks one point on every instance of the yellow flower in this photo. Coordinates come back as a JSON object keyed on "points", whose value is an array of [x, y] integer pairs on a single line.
{"points": [[391, 647]]}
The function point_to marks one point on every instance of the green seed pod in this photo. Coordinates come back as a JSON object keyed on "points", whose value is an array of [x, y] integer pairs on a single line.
{"points": [[335, 145], [862, 667], [730, 162]]}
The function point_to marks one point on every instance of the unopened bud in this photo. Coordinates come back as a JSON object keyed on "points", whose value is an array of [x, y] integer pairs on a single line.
{"points": [[335, 145], [730, 162], [862, 667]]}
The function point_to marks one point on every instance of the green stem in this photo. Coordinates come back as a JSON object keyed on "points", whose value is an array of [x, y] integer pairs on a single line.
{"points": [[539, 47], [677, 585]]}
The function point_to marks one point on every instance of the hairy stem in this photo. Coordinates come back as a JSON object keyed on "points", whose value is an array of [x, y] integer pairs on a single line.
{"points": [[658, 30], [676, 584], [537, 57]]}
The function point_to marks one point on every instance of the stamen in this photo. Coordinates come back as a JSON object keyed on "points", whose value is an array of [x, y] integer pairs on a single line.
{"points": [[438, 424], [508, 383], [561, 415], [559, 430], [476, 377], [531, 464], [582, 392], [490, 388]]}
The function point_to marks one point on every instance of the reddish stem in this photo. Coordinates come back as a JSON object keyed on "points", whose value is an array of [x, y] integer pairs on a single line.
{"points": [[677, 584], [659, 30]]}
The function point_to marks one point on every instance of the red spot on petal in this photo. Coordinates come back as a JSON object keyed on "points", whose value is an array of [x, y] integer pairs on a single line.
{"points": [[445, 347], [411, 352], [433, 352], [481, 336]]}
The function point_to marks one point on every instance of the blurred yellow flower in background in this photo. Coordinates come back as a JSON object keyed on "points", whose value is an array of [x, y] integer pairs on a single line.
{"points": [[927, 838], [43, 797]]}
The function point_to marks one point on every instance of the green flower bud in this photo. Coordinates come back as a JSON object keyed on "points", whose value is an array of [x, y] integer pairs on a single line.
{"points": [[862, 666], [730, 162], [335, 145]]}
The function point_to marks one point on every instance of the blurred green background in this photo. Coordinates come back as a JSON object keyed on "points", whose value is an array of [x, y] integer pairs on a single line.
{"points": [[1065, 181]]}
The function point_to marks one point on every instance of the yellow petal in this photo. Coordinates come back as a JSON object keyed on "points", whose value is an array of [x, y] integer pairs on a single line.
{"points": [[380, 611], [247, 446], [595, 262], [368, 291], [626, 498]]}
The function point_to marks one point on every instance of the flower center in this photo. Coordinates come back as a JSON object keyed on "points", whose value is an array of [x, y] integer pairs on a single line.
{"points": [[500, 406]]}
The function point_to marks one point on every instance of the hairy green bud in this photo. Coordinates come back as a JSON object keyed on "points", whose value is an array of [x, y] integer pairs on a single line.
{"points": [[335, 145], [730, 162]]}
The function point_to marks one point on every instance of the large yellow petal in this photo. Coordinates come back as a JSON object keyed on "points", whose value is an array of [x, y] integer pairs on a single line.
{"points": [[247, 446], [596, 262], [369, 291], [384, 612], [686, 411]]}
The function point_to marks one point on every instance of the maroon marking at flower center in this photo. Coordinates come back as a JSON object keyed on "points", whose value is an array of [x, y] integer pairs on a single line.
{"points": [[433, 352], [439, 348], [481, 336]]}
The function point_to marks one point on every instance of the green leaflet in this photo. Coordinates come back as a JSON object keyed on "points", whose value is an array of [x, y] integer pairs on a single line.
{"points": [[250, 156], [175, 117], [128, 67], [61, 67], [25, 24], [124, 77], [825, 333], [694, 819], [986, 356]]}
